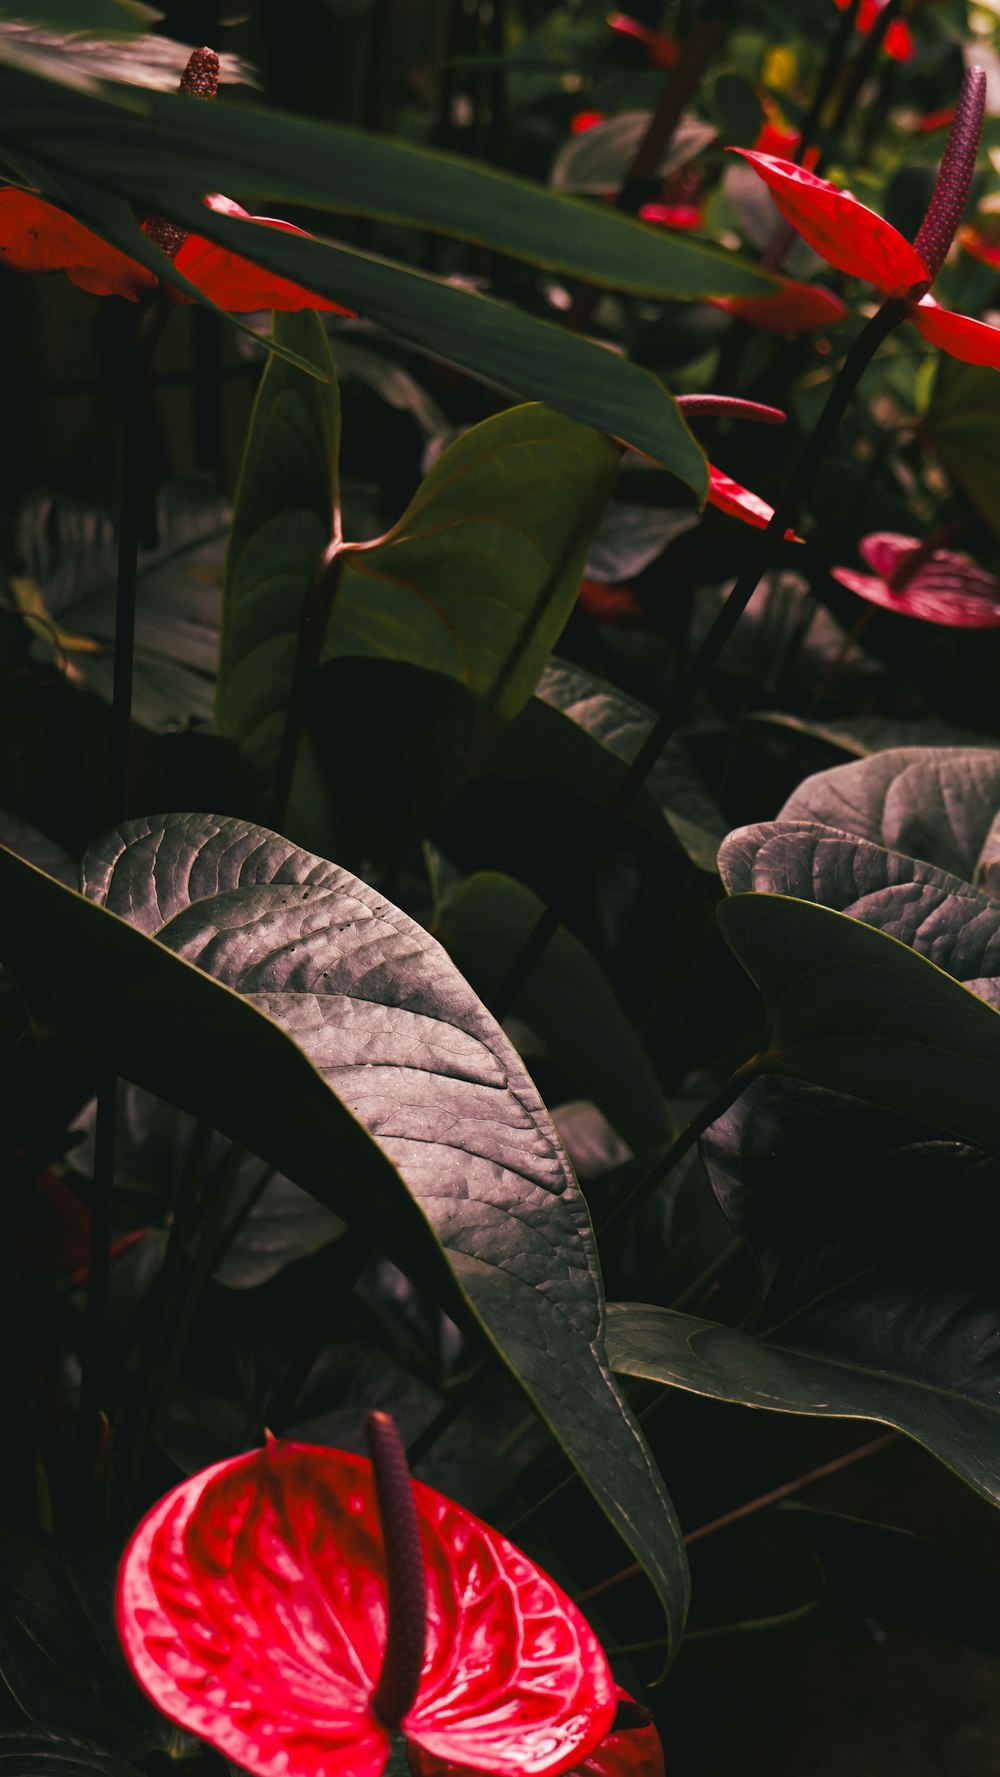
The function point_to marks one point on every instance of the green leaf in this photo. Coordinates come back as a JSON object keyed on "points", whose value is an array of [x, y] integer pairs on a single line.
{"points": [[568, 1002], [490, 339], [579, 733], [853, 1009], [285, 514], [962, 427], [478, 577], [768, 1371], [57, 1755], [79, 18], [166, 151], [339, 1043]]}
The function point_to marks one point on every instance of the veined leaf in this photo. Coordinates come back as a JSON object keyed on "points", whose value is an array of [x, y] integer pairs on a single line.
{"points": [[306, 1017]]}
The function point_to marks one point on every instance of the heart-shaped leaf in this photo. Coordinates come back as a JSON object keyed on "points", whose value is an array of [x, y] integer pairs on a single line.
{"points": [[338, 1041], [906, 840], [852, 1008]]}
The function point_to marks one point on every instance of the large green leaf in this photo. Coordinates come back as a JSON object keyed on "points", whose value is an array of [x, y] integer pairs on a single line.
{"points": [[567, 1000], [165, 150], [338, 1041], [284, 517], [772, 1372], [529, 357], [478, 577], [854, 1009], [962, 425], [579, 733]]}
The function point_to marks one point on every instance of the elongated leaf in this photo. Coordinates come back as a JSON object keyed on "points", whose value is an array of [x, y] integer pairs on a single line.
{"points": [[579, 733], [165, 150], [773, 1372], [568, 1002], [598, 161], [530, 358], [339, 1043], [853, 1009], [286, 506]]}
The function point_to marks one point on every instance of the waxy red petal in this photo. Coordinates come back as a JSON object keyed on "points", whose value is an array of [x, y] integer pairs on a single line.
{"points": [[252, 1608], [672, 215], [730, 496], [35, 236], [979, 245], [846, 234], [236, 283], [947, 588], [635, 1752], [795, 308], [974, 342], [663, 51]]}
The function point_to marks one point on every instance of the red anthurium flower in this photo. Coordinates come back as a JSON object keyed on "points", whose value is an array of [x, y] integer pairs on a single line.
{"points": [[581, 121], [795, 308], [662, 51], [937, 585], [262, 1603], [898, 43], [628, 1751], [857, 241], [35, 236], [936, 120], [611, 604], [673, 215]]}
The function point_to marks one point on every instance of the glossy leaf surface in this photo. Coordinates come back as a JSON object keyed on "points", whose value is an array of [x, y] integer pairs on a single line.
{"points": [[848, 235], [155, 154], [252, 1606], [853, 1009], [775, 1373], [322, 991]]}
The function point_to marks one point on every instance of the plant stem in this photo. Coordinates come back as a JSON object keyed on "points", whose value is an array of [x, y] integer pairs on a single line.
{"points": [[710, 1112], [316, 608], [761, 555], [93, 1384], [774, 1497], [446, 1414], [828, 79], [636, 188]]}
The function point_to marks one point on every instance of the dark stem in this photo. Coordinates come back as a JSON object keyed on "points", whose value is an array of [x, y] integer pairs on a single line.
{"points": [[774, 1497], [93, 1384], [316, 608], [891, 313], [863, 64], [828, 79], [703, 1119], [640, 183], [406, 1580]]}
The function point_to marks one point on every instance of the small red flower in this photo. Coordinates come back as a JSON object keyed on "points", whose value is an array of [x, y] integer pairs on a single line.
{"points": [[581, 121], [728, 495], [936, 585], [898, 43], [252, 1606], [662, 51], [673, 215], [35, 236], [795, 308], [855, 240]]}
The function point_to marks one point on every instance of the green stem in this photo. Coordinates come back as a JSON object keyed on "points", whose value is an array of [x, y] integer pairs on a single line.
{"points": [[316, 608], [761, 555]]}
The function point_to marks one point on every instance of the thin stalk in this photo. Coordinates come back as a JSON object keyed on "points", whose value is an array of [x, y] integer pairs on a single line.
{"points": [[774, 1496], [828, 79], [316, 608], [762, 552], [710, 1112], [640, 179], [863, 64], [446, 1414], [93, 1385]]}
